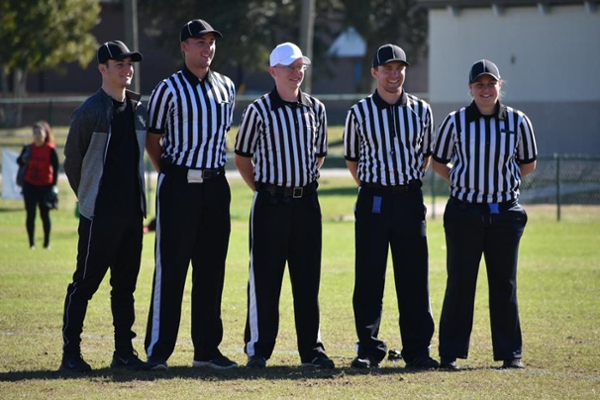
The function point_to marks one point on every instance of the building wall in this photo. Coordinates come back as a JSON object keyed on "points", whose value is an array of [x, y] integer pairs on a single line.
{"points": [[548, 60]]}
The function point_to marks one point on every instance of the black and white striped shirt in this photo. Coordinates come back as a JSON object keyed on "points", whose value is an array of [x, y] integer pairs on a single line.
{"points": [[194, 117], [389, 141], [284, 138], [485, 152]]}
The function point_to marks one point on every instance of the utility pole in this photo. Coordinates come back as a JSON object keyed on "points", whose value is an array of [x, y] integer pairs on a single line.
{"points": [[307, 30], [131, 37]]}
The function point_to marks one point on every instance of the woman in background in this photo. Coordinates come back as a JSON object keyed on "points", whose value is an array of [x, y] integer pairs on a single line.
{"points": [[39, 181]]}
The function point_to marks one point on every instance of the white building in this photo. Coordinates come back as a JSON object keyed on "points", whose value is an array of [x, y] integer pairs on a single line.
{"points": [[548, 53]]}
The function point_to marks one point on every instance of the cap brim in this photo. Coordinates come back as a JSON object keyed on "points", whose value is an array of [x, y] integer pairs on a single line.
{"points": [[202, 33], [396, 60], [485, 73], [134, 55], [289, 61]]}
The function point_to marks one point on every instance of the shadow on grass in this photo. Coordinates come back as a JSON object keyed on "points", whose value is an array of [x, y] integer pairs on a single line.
{"points": [[206, 374], [339, 191], [5, 209]]}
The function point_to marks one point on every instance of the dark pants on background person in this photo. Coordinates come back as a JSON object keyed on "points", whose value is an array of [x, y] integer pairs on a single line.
{"points": [[283, 228], [34, 197], [192, 223], [104, 242], [395, 220], [494, 231]]}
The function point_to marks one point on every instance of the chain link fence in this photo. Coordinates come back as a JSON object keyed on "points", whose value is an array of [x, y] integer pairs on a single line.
{"points": [[558, 180]]}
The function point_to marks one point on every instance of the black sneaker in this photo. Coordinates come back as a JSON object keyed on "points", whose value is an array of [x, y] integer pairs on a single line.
{"points": [[320, 361], [220, 362], [128, 361], [449, 364], [422, 363], [394, 355], [364, 363], [256, 362], [74, 363], [515, 363], [156, 365]]}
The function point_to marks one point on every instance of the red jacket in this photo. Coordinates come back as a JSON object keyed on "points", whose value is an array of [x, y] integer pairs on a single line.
{"points": [[42, 166]]}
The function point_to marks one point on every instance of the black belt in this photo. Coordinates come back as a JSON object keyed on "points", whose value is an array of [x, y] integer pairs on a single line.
{"points": [[394, 189], [211, 173], [486, 208], [207, 173], [294, 192]]}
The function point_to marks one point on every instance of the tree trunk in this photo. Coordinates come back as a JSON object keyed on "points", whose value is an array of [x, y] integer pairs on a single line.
{"points": [[367, 83], [10, 113], [3, 94], [15, 110]]}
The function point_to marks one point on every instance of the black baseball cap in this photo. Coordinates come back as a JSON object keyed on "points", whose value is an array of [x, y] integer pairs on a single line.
{"points": [[483, 67], [389, 53], [116, 50], [197, 28]]}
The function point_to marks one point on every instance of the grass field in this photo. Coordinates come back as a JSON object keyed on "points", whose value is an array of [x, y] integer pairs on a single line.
{"points": [[559, 296]]}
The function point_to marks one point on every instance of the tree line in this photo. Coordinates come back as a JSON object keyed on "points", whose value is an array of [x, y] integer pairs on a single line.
{"points": [[37, 35]]}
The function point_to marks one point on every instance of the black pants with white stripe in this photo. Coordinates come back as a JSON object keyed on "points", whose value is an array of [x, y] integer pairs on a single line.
{"points": [[284, 229], [105, 242], [471, 230], [397, 221], [192, 224]]}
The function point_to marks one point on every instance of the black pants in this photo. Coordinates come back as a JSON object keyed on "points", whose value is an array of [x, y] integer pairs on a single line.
{"points": [[104, 242], [472, 230], [34, 198], [192, 223], [284, 229], [396, 221]]}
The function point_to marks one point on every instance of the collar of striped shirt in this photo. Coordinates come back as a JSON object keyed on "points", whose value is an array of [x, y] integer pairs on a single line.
{"points": [[472, 112], [194, 80], [277, 101], [382, 104]]}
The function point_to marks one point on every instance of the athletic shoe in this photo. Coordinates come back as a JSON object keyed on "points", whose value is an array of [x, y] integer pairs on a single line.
{"points": [[156, 365], [364, 363], [74, 363], [256, 362], [320, 361], [422, 363], [394, 355], [128, 361], [515, 363], [220, 362], [449, 364]]}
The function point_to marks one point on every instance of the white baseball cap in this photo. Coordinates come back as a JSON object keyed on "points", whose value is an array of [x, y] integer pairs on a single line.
{"points": [[285, 54]]}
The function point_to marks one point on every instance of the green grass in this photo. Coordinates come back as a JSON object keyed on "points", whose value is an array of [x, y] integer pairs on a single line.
{"points": [[559, 293]]}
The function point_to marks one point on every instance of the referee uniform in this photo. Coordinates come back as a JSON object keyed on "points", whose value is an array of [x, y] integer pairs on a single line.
{"points": [[387, 148], [286, 140], [483, 216], [193, 116]]}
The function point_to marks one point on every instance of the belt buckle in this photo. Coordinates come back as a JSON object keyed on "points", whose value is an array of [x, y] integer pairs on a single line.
{"points": [[206, 174], [195, 176], [297, 192]]}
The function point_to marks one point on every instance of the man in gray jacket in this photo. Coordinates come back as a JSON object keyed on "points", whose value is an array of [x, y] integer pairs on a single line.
{"points": [[105, 166]]}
